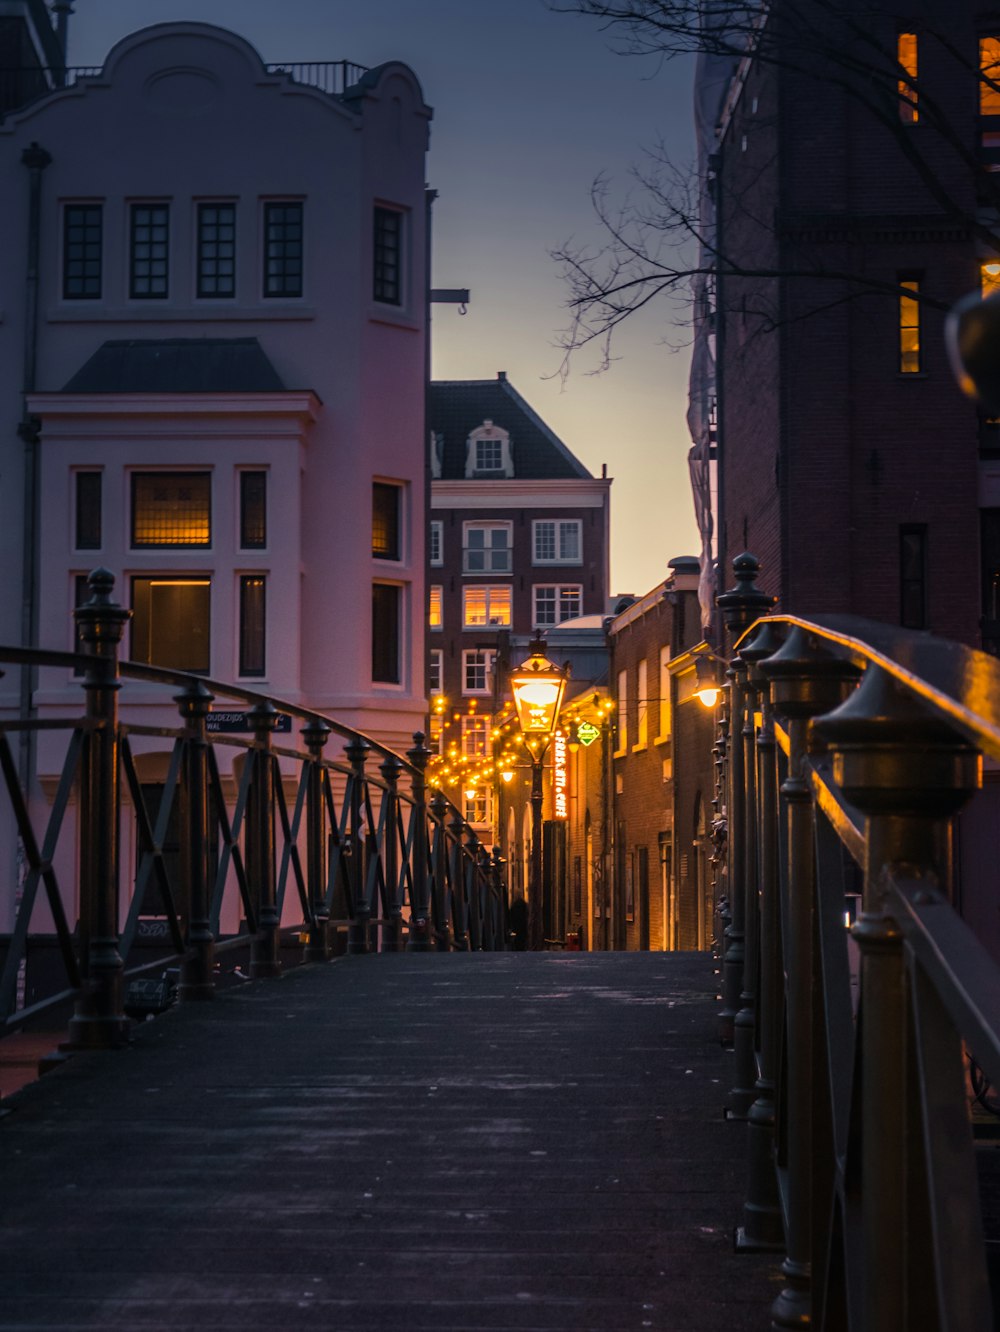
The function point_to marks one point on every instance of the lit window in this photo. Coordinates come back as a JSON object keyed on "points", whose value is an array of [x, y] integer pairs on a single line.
{"points": [[386, 632], [388, 286], [171, 509], [477, 807], [434, 607], [170, 622], [386, 521], [553, 603], [477, 671], [436, 672], [909, 329], [252, 625], [641, 705], [216, 249], [435, 734], [487, 548], [283, 249], [436, 548], [665, 726], [913, 576], [906, 55], [149, 254], [989, 277], [621, 703], [82, 252], [556, 542], [989, 76], [486, 606], [253, 510], [475, 736], [88, 510]]}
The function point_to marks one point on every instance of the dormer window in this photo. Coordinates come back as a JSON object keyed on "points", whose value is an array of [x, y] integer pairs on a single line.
{"points": [[488, 452]]}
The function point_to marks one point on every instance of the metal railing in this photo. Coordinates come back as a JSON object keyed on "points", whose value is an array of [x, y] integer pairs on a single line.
{"points": [[376, 855], [850, 748]]}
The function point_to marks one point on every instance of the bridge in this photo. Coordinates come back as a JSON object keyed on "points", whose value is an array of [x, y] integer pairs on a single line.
{"points": [[433, 1131]]}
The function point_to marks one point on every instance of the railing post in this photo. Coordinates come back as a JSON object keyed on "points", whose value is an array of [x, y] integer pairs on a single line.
{"points": [[459, 885], [392, 932], [98, 1020], [418, 940], [439, 903], [478, 859], [762, 1223], [908, 773], [265, 958], [317, 948], [805, 682], [197, 980], [358, 940]]}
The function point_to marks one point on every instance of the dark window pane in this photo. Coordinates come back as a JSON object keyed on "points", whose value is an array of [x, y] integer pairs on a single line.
{"points": [[217, 250], [388, 254], [148, 258], [88, 510], [385, 633], [82, 252], [385, 521], [283, 249], [252, 625], [253, 510], [170, 622], [171, 509], [913, 577], [81, 593]]}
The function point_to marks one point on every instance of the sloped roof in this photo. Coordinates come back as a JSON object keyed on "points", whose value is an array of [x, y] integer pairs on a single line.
{"points": [[458, 406], [178, 365]]}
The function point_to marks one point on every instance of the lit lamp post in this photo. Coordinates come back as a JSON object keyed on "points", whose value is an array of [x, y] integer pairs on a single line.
{"points": [[538, 686]]}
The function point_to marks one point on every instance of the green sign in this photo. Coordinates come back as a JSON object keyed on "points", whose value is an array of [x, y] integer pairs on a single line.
{"points": [[587, 732]]}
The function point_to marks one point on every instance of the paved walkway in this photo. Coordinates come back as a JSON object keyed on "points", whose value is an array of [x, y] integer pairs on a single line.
{"points": [[519, 1141]]}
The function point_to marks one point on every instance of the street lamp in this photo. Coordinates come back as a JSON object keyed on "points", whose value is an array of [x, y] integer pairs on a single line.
{"points": [[538, 686]]}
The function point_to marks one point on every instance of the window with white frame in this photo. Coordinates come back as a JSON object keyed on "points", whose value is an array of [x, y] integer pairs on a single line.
{"points": [[475, 735], [486, 548], [641, 705], [434, 607], [554, 602], [665, 724], [436, 543], [488, 452], [485, 605], [556, 541], [621, 704], [478, 807], [435, 734], [477, 671], [435, 674]]}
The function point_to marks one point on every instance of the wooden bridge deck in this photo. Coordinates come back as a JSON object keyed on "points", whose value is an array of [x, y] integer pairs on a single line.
{"points": [[417, 1141]]}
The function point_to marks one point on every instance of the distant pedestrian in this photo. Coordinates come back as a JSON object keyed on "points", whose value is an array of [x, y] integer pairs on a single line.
{"points": [[517, 919]]}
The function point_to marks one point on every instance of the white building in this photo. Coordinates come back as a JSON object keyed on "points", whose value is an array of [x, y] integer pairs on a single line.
{"points": [[212, 371]]}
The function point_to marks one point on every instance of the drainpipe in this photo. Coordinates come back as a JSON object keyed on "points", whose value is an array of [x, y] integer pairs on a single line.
{"points": [[36, 159]]}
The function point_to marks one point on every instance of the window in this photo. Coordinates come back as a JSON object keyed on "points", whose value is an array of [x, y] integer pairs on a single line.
{"points": [[913, 576], [489, 455], [253, 510], [388, 285], [641, 705], [88, 510], [283, 249], [556, 542], [477, 808], [436, 546], [435, 735], [82, 251], [665, 723], [149, 252], [484, 605], [216, 249], [486, 548], [555, 602], [81, 595], [488, 452], [434, 608], [906, 56], [435, 675], [909, 328], [170, 622], [989, 76], [386, 521], [386, 608], [622, 705], [475, 736], [252, 624], [477, 671], [171, 509]]}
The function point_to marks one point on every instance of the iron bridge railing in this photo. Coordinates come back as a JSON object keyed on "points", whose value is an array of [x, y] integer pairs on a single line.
{"points": [[296, 845], [847, 750]]}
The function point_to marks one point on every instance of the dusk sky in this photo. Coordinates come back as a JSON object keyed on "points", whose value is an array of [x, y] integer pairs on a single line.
{"points": [[529, 107]]}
